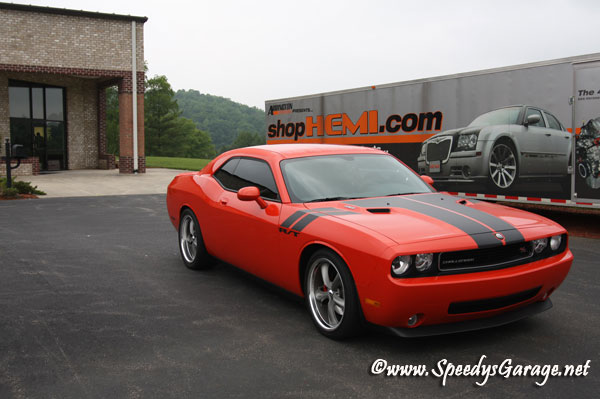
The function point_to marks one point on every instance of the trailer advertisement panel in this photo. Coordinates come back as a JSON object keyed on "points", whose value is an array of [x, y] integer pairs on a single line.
{"points": [[587, 120], [505, 131]]}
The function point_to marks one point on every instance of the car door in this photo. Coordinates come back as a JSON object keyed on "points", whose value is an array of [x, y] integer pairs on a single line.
{"points": [[535, 142], [561, 145], [248, 235]]}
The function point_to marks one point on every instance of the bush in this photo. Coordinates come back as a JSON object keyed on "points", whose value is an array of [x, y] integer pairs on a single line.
{"points": [[18, 187], [10, 193]]}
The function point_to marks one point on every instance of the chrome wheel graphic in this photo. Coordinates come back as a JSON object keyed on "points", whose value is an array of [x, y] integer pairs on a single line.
{"points": [[503, 166]]}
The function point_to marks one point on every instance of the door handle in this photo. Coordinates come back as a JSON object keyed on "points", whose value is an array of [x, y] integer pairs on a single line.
{"points": [[224, 201], [548, 134]]}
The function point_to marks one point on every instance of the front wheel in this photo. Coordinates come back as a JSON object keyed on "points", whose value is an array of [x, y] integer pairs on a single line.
{"points": [[191, 245], [331, 296], [503, 167]]}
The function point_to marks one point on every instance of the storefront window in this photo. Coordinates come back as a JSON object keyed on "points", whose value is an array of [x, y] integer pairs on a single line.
{"points": [[19, 102], [37, 122]]}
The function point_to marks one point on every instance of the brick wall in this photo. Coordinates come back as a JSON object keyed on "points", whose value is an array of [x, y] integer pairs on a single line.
{"points": [[29, 166], [51, 40], [82, 53]]}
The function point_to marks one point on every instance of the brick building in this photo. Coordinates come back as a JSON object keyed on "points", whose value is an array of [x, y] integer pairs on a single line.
{"points": [[55, 66]]}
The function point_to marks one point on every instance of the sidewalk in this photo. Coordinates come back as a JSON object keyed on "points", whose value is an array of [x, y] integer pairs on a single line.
{"points": [[93, 182]]}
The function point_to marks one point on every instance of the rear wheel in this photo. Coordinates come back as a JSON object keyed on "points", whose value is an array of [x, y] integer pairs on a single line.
{"points": [[331, 296], [191, 245]]}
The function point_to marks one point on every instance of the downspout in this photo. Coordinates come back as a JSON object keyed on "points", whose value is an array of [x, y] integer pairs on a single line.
{"points": [[134, 96]]}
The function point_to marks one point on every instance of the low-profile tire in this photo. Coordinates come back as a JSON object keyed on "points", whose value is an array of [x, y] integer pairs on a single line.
{"points": [[191, 245], [503, 166], [331, 296]]}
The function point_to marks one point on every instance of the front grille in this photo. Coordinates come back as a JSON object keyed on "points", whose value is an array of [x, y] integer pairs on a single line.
{"points": [[439, 151], [482, 305], [487, 258]]}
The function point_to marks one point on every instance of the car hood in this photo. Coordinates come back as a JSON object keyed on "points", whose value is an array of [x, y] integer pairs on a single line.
{"points": [[436, 216]]}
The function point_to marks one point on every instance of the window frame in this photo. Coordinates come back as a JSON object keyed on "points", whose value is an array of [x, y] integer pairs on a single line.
{"points": [[240, 157]]}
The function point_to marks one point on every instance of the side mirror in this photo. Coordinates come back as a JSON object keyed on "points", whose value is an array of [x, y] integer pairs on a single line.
{"points": [[427, 179], [251, 194], [532, 120]]}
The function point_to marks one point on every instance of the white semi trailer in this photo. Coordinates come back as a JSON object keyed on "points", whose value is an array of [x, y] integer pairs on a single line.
{"points": [[525, 133]]}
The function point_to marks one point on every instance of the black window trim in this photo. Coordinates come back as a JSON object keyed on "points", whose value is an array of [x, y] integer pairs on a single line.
{"points": [[278, 200]]}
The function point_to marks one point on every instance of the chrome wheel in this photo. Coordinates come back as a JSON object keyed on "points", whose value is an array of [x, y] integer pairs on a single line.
{"points": [[326, 293], [503, 166], [188, 239]]}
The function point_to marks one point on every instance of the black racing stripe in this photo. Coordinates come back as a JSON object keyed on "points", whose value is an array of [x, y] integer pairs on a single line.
{"points": [[304, 222], [483, 237], [511, 234], [295, 216]]}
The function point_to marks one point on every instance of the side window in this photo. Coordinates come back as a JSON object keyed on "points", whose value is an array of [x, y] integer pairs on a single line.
{"points": [[242, 172], [531, 111], [553, 123], [225, 175]]}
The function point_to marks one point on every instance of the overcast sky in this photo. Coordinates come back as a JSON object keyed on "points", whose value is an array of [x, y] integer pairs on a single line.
{"points": [[252, 51]]}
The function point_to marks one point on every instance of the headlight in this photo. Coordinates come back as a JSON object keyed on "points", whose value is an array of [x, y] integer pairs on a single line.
{"points": [[423, 262], [555, 242], [540, 245], [401, 264], [467, 142]]}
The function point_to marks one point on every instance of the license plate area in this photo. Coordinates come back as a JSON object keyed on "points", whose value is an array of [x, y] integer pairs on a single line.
{"points": [[435, 167]]}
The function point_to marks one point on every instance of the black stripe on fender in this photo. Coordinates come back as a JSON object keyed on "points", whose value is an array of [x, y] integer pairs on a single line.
{"points": [[304, 222], [290, 220], [511, 234], [483, 237]]}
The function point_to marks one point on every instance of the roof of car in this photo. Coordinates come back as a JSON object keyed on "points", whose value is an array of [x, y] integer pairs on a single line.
{"points": [[303, 150]]}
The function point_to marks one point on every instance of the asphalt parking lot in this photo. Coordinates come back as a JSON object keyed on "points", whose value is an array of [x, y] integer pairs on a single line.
{"points": [[95, 303]]}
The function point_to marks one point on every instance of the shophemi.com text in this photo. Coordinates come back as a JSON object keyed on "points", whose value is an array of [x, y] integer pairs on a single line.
{"points": [[368, 123], [482, 371]]}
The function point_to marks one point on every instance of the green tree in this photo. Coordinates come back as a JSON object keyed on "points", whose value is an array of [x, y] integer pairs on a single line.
{"points": [[112, 121], [161, 118]]}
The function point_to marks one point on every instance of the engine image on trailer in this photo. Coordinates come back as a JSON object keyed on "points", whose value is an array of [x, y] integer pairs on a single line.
{"points": [[521, 133]]}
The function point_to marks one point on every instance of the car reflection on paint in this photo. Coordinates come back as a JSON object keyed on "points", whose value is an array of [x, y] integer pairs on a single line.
{"points": [[500, 147], [365, 240]]}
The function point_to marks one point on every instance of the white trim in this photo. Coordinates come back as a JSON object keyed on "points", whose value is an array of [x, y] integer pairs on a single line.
{"points": [[134, 96]]}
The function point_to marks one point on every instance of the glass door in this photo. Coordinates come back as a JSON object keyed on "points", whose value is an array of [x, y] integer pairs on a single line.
{"points": [[37, 122]]}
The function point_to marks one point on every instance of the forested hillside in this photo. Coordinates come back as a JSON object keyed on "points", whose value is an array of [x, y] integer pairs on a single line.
{"points": [[229, 124], [187, 123]]}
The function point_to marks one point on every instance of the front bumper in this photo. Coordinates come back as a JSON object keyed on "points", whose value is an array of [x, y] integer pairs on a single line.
{"points": [[476, 324], [391, 302], [465, 166]]}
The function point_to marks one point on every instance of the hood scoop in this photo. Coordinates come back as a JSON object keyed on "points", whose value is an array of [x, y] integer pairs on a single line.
{"points": [[378, 210]]}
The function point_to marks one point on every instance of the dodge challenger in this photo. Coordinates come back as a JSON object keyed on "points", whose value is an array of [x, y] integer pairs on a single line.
{"points": [[366, 241]]}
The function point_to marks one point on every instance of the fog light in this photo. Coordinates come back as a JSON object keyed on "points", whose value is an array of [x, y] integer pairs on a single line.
{"points": [[423, 262], [412, 320], [466, 171], [555, 242], [401, 264], [540, 245]]}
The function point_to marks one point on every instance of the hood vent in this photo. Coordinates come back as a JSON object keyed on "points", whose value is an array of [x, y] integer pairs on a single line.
{"points": [[379, 210]]}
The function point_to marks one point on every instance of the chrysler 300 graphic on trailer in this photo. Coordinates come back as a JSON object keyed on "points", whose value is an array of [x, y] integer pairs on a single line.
{"points": [[498, 148], [366, 240]]}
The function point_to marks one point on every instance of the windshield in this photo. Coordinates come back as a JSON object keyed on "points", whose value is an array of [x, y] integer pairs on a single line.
{"points": [[504, 116], [339, 177]]}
